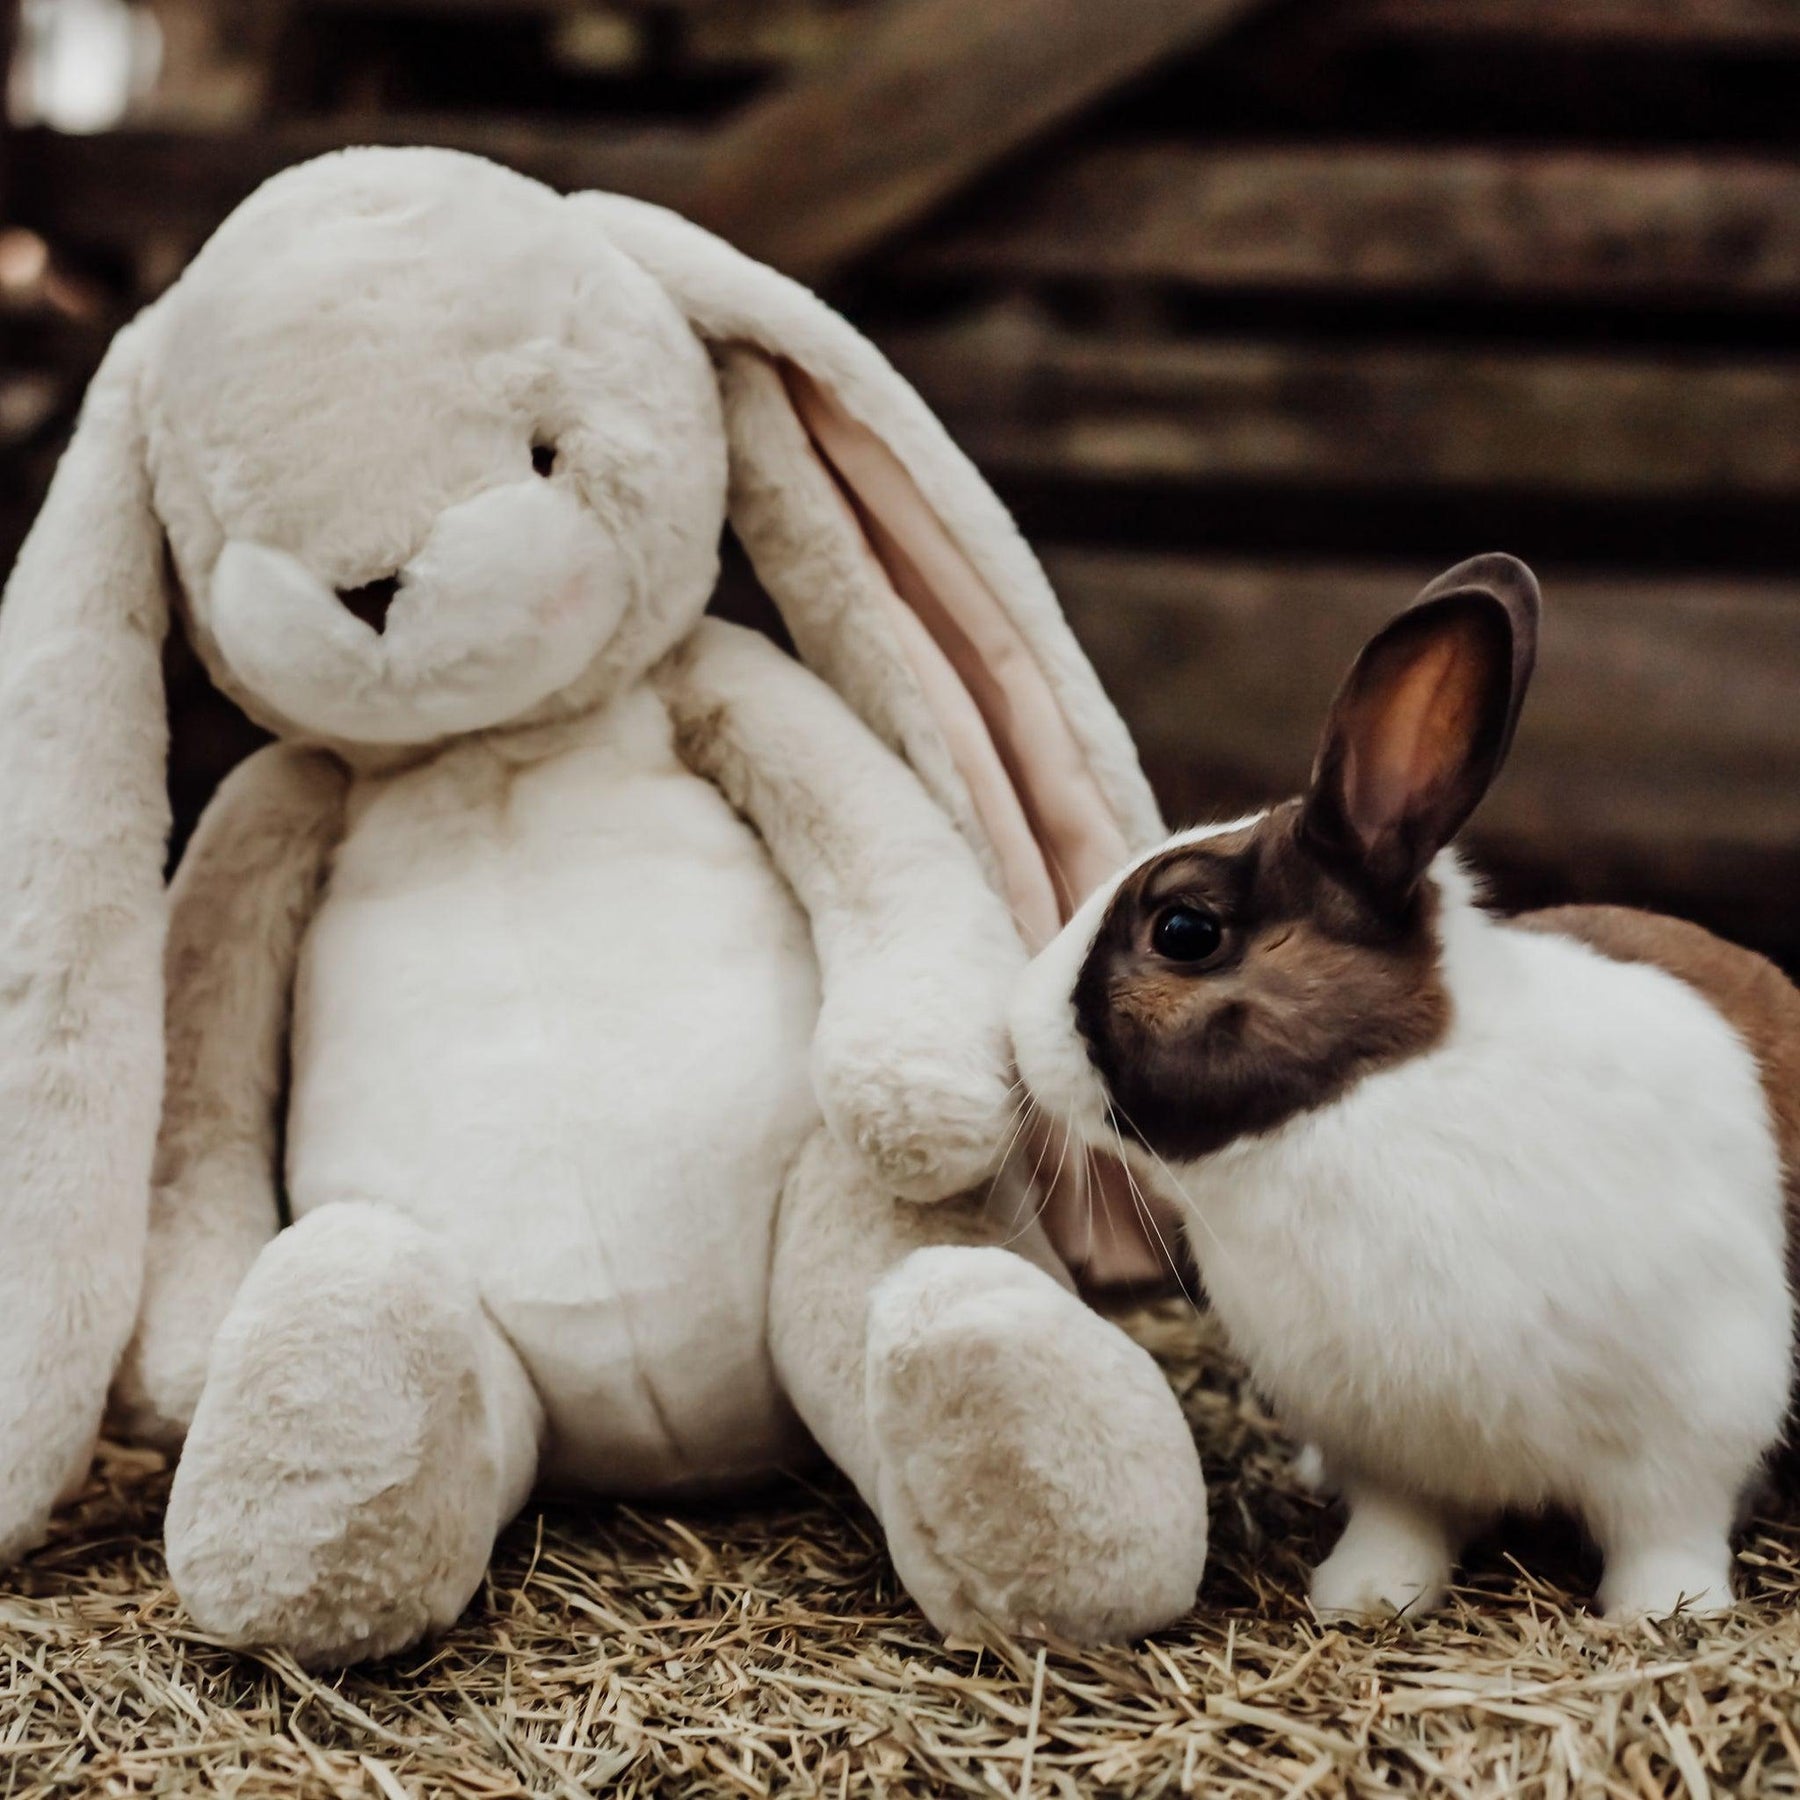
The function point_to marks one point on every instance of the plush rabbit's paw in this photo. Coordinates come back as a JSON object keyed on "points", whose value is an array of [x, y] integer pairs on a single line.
{"points": [[930, 1123], [1035, 1471]]}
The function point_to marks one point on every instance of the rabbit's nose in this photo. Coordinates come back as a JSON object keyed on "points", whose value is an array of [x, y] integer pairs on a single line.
{"points": [[371, 601]]}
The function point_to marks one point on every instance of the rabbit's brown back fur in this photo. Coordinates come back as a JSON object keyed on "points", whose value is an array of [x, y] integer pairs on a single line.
{"points": [[1755, 997]]}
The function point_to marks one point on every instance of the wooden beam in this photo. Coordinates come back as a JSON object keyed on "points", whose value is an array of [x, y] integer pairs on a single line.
{"points": [[122, 185], [787, 34], [1565, 225], [1028, 400], [930, 95], [1658, 757], [1685, 24]]}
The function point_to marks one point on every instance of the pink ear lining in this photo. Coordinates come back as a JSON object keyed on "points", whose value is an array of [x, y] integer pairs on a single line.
{"points": [[1005, 728], [1053, 834], [1023, 871]]}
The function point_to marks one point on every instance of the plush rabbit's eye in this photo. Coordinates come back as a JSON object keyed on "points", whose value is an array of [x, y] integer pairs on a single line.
{"points": [[543, 459], [1186, 934]]}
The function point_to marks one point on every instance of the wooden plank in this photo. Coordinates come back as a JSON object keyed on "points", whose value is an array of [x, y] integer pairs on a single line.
{"points": [[122, 185], [786, 34], [930, 95], [1684, 24], [1664, 229], [1027, 399], [735, 33], [1659, 754]]}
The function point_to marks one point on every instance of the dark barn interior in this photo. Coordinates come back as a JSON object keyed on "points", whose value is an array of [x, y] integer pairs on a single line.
{"points": [[1256, 314]]}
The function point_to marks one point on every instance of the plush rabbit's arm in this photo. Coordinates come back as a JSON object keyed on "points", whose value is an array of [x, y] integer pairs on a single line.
{"points": [[918, 954], [240, 902]]}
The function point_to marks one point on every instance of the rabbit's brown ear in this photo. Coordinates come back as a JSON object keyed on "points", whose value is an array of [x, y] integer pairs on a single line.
{"points": [[1513, 587], [1423, 721], [83, 825], [905, 584]]}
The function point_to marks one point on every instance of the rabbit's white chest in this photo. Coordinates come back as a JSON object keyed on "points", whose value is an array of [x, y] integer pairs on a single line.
{"points": [[557, 1005]]}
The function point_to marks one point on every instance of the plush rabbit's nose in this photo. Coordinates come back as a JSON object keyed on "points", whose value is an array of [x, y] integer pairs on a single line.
{"points": [[371, 601]]}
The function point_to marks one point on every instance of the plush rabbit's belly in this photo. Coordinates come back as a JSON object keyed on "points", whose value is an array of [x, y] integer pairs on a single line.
{"points": [[560, 1010]]}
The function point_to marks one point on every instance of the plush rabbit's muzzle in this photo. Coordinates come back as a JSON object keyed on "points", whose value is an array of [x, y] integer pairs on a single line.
{"points": [[509, 598], [370, 601]]}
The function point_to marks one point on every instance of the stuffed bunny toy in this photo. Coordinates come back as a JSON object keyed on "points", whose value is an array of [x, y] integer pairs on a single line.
{"points": [[610, 1006]]}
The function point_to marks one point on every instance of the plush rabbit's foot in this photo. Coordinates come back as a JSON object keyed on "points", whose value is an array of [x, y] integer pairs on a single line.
{"points": [[1034, 1469], [1652, 1583], [363, 1433], [1394, 1558]]}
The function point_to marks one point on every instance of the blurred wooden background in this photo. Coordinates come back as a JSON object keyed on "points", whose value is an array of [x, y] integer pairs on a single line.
{"points": [[1256, 313]]}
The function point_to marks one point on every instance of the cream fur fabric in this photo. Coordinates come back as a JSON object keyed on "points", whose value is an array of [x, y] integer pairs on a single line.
{"points": [[620, 1019]]}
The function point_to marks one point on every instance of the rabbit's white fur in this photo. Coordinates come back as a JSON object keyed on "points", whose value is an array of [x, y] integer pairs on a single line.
{"points": [[633, 989], [1541, 1263]]}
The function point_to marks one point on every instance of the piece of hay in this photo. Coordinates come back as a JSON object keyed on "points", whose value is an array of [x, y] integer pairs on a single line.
{"points": [[762, 1647]]}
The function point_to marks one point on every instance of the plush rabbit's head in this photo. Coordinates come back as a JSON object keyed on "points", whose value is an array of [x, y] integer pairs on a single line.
{"points": [[417, 447], [429, 451]]}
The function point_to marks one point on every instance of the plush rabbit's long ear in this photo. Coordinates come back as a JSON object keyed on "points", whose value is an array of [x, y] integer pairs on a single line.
{"points": [[83, 825], [902, 578], [906, 585]]}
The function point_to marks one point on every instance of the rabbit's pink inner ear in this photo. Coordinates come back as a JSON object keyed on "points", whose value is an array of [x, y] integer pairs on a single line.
{"points": [[979, 675]]}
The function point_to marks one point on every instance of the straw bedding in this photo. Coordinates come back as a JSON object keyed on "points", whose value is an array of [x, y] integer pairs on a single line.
{"points": [[762, 1648]]}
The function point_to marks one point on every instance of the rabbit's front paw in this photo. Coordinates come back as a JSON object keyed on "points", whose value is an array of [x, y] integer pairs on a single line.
{"points": [[1655, 1583], [1394, 1558], [1355, 1588]]}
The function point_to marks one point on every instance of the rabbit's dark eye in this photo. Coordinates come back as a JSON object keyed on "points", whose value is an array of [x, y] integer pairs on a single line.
{"points": [[1186, 934], [543, 459]]}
